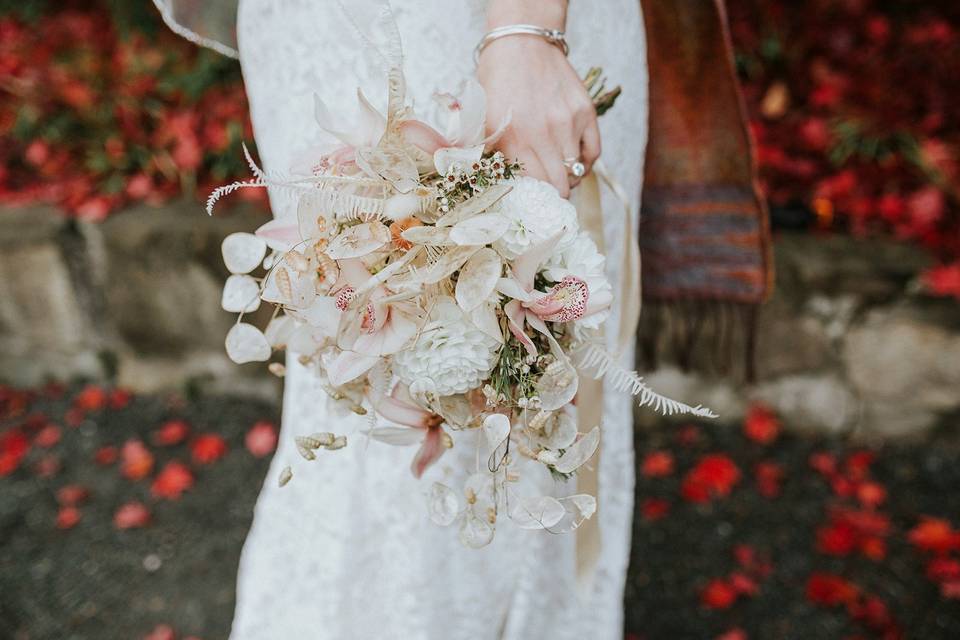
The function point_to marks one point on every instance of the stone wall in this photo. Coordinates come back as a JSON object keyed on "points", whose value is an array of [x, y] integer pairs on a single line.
{"points": [[846, 343], [134, 299]]}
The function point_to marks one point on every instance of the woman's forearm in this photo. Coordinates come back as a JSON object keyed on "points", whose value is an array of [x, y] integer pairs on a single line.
{"points": [[549, 14]]}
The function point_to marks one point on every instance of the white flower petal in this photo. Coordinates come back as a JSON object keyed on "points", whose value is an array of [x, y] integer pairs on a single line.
{"points": [[242, 252], [246, 343], [445, 158]]}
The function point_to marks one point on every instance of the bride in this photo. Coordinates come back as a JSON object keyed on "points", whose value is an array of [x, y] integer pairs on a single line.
{"points": [[346, 550]]}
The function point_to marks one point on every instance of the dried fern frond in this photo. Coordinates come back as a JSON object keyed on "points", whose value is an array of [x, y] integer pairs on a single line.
{"points": [[591, 356]]}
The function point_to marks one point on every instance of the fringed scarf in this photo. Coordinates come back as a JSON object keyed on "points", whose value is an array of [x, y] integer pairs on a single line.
{"points": [[704, 233]]}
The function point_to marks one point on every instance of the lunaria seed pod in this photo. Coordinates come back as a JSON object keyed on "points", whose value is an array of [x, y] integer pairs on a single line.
{"points": [[307, 454], [327, 273]]}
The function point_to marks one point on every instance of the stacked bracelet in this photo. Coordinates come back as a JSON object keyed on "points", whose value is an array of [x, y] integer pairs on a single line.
{"points": [[553, 36]]}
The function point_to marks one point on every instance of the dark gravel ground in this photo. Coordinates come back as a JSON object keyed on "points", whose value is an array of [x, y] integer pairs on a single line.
{"points": [[94, 581]]}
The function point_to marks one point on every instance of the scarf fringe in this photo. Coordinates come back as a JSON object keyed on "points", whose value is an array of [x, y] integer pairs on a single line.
{"points": [[715, 338]]}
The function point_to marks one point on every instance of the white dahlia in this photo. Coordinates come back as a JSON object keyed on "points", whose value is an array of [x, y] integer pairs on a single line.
{"points": [[581, 259], [536, 212], [451, 355]]}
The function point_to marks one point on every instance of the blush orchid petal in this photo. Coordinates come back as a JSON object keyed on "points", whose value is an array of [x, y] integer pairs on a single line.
{"points": [[430, 451], [423, 136]]}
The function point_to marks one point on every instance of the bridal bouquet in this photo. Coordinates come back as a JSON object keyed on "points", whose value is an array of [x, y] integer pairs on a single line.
{"points": [[433, 288]]}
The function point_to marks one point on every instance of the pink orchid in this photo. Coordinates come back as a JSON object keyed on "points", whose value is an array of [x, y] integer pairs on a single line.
{"points": [[463, 138], [338, 155], [379, 329], [567, 301], [418, 425]]}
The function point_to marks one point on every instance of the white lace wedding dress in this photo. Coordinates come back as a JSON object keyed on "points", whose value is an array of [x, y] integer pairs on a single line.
{"points": [[346, 550]]}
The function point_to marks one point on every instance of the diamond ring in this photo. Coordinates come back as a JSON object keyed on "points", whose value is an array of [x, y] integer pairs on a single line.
{"points": [[575, 168]]}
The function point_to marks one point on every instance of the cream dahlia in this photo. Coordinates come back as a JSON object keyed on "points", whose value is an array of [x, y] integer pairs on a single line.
{"points": [[536, 212], [451, 355]]}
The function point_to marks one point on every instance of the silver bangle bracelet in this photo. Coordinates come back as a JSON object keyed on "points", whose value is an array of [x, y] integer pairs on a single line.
{"points": [[553, 36]]}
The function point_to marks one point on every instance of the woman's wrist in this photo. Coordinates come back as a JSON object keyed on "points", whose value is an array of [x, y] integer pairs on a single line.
{"points": [[549, 14]]}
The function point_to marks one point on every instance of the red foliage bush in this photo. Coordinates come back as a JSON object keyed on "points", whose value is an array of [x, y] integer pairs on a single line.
{"points": [[102, 118], [852, 104]]}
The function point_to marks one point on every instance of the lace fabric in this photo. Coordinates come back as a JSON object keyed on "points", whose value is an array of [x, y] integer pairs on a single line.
{"points": [[346, 551]]}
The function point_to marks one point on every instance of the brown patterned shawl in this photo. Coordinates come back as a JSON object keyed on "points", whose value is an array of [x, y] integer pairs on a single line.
{"points": [[704, 232]]}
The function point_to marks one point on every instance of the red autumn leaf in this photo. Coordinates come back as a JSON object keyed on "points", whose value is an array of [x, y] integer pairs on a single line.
{"points": [[172, 481], [119, 398], [8, 464], [67, 517], [829, 590], [761, 424], [657, 464], [208, 448], [873, 548], [136, 460], [837, 539], [47, 466], [743, 584], [688, 435], [74, 417], [871, 494], [842, 486], [858, 464], [823, 463], [934, 535], [768, 475], [654, 508], [161, 632], [131, 515], [70, 495], [171, 433], [873, 613], [943, 280], [714, 476], [105, 456], [950, 590], [943, 570], [745, 555], [261, 439], [13, 442], [48, 436], [14, 445], [90, 398], [718, 594]]}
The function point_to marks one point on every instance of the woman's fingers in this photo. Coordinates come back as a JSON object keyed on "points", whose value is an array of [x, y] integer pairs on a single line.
{"points": [[590, 144]]}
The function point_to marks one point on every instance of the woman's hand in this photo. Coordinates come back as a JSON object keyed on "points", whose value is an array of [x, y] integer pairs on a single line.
{"points": [[552, 119]]}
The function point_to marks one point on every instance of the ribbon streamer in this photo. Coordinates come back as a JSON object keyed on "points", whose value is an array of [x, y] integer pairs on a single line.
{"points": [[587, 199]]}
